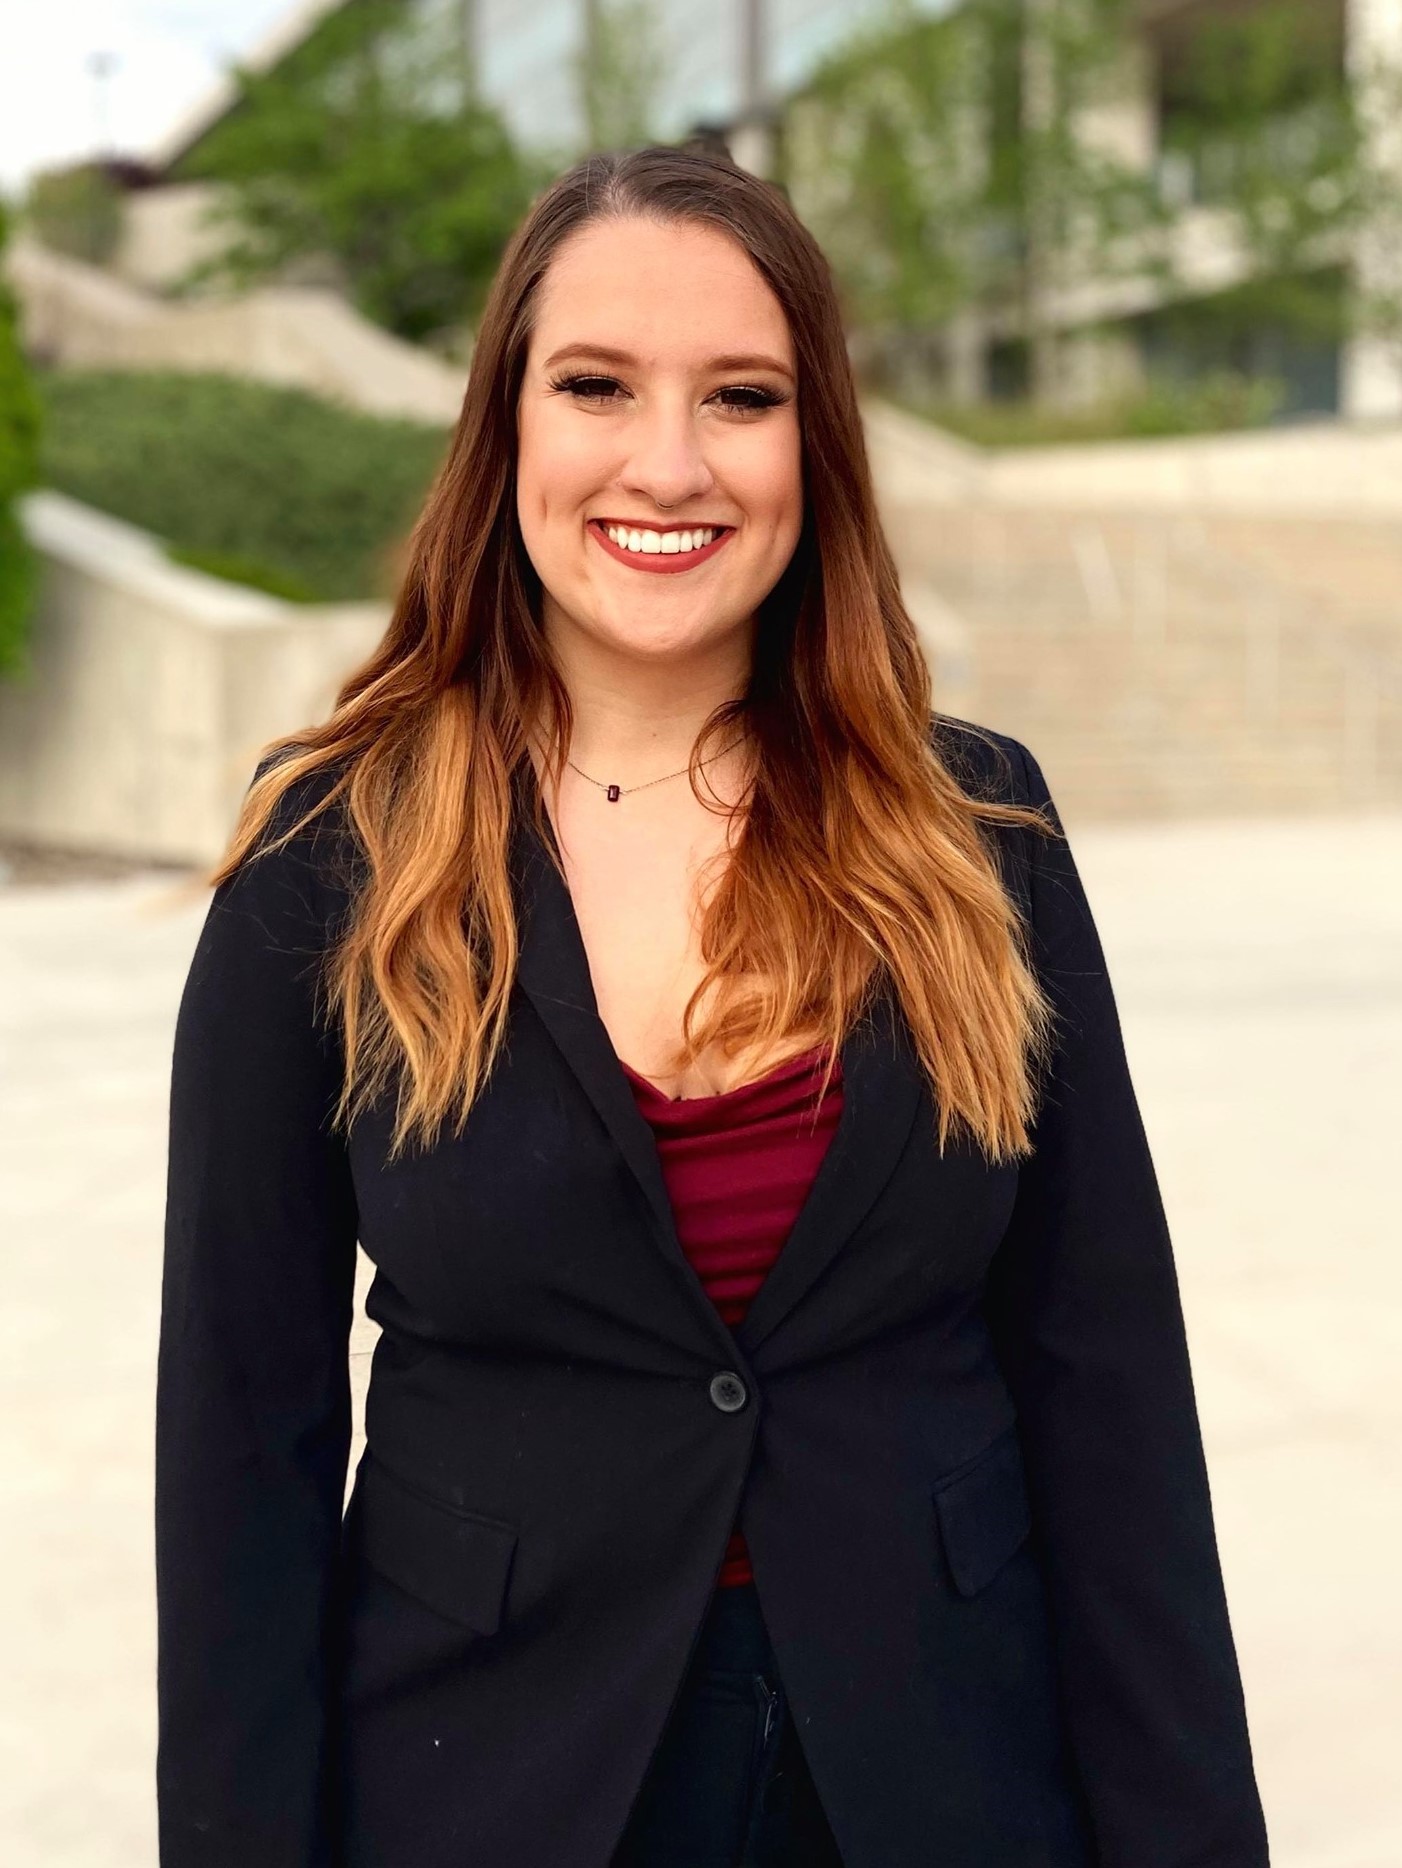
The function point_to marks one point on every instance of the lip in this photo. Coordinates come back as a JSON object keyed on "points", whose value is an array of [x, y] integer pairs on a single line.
{"points": [[660, 563]]}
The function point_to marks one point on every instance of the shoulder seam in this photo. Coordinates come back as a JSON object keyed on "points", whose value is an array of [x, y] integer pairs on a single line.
{"points": [[997, 754], [1030, 838]]}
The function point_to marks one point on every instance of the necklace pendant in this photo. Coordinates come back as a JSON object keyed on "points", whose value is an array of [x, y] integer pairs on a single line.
{"points": [[613, 794]]}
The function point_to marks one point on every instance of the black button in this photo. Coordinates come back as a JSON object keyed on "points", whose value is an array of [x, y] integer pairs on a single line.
{"points": [[728, 1392]]}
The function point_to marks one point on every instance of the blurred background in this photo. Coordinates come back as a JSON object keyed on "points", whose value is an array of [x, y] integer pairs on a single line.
{"points": [[1123, 287]]}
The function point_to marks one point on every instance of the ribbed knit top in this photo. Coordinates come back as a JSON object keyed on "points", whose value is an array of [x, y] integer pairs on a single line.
{"points": [[738, 1167]]}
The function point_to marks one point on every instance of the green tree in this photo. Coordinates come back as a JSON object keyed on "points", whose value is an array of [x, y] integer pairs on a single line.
{"points": [[369, 148], [617, 73], [1268, 129], [1374, 305], [880, 154], [76, 210], [945, 164], [1294, 141], [19, 453], [1073, 209]]}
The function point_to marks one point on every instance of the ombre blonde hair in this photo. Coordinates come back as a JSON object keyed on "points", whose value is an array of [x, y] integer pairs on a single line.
{"points": [[860, 857]]}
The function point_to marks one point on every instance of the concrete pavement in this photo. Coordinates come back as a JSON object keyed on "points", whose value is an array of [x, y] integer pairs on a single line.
{"points": [[1259, 971]]}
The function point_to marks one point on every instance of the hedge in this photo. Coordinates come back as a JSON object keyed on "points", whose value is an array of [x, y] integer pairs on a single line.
{"points": [[267, 486], [19, 436]]}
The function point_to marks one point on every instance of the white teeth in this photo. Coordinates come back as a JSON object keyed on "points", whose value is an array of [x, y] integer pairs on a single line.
{"points": [[655, 542]]}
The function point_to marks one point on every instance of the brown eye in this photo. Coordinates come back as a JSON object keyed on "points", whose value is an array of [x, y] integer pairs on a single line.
{"points": [[752, 398], [586, 387], [760, 399]]}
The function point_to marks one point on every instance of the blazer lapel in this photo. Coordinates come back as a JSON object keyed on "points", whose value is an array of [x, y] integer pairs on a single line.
{"points": [[881, 1091], [882, 1084], [553, 971]]}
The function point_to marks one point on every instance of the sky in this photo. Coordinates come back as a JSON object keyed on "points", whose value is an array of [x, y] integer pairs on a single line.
{"points": [[165, 54]]}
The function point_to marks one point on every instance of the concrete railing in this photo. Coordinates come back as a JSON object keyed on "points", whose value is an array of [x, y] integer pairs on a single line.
{"points": [[152, 689], [301, 337], [1321, 469]]}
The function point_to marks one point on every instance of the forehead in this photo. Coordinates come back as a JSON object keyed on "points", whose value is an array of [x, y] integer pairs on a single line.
{"points": [[671, 295]]}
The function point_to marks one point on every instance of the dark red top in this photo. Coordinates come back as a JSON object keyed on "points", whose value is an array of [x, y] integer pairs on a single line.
{"points": [[738, 1167]]}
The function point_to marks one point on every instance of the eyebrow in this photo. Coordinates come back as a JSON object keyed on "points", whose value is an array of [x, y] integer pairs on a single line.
{"points": [[604, 353]]}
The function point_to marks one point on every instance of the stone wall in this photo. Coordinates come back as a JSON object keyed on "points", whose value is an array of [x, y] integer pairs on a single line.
{"points": [[152, 690]]}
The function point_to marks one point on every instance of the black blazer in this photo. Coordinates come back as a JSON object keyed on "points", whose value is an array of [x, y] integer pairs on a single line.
{"points": [[966, 1457]]}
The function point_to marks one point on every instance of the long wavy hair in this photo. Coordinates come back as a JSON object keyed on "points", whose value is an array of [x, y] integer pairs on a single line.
{"points": [[859, 859]]}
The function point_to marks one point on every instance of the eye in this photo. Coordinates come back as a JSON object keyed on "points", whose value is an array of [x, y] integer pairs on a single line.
{"points": [[763, 398], [581, 386], [597, 388]]}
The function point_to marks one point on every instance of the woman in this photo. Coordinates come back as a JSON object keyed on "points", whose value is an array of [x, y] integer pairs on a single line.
{"points": [[781, 1438]]}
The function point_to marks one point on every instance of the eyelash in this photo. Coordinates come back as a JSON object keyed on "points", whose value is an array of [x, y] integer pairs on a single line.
{"points": [[767, 398]]}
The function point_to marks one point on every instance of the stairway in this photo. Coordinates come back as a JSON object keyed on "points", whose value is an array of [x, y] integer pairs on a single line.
{"points": [[1169, 664]]}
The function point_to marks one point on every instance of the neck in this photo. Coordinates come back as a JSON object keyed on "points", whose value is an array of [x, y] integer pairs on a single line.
{"points": [[635, 716]]}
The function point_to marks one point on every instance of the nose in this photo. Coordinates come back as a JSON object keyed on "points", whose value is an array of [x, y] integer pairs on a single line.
{"points": [[668, 463]]}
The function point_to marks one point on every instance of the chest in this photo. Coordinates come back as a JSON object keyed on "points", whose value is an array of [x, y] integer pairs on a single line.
{"points": [[639, 881], [637, 894], [548, 1213]]}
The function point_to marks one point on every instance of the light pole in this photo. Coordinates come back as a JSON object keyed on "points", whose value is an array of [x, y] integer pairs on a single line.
{"points": [[752, 135], [101, 65], [467, 46]]}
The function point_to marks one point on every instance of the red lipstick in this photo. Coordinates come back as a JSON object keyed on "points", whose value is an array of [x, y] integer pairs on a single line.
{"points": [[663, 562]]}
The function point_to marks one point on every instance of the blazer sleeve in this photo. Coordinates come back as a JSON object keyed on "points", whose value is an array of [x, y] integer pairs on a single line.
{"points": [[1083, 1303], [253, 1401]]}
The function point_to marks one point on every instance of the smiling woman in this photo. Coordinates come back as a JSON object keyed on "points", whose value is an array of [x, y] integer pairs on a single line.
{"points": [[695, 428], [781, 1444]]}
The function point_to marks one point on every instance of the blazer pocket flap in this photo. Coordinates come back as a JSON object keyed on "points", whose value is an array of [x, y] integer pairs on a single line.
{"points": [[455, 1561], [984, 1514]]}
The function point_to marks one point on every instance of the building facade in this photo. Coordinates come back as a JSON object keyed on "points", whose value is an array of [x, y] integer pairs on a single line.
{"points": [[738, 70]]}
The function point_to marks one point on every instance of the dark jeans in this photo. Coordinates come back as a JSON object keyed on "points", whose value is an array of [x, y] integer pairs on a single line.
{"points": [[728, 1786]]}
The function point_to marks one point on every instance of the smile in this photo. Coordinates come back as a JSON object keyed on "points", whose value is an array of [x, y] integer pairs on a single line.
{"points": [[648, 550]]}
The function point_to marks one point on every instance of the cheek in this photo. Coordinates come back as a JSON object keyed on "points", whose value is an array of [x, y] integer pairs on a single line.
{"points": [[777, 502], [567, 454], [776, 482], [550, 464]]}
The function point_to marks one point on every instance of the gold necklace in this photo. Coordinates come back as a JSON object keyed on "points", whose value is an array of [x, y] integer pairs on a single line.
{"points": [[615, 792]]}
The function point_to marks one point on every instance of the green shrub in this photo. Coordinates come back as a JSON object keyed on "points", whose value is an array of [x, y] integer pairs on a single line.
{"points": [[370, 146], [271, 487], [77, 210], [1211, 405], [236, 570], [1223, 400], [19, 447]]}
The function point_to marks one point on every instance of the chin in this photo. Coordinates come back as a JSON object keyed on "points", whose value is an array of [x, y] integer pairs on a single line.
{"points": [[650, 645], [648, 633]]}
